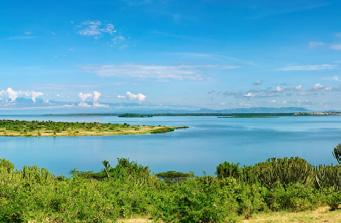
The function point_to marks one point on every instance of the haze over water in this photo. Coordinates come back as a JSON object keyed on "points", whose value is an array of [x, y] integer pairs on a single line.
{"points": [[200, 148]]}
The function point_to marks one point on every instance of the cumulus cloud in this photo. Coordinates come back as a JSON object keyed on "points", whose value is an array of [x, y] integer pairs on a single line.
{"points": [[178, 72], [95, 28], [90, 99], [131, 96], [299, 87], [10, 95], [308, 67], [279, 89], [320, 87], [249, 95]]}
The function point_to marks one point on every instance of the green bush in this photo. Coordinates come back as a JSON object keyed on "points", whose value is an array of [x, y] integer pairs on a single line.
{"points": [[283, 171], [328, 176], [294, 197], [129, 189], [229, 170]]}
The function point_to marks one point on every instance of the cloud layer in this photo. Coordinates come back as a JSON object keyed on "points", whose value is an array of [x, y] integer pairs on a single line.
{"points": [[177, 72], [308, 67], [90, 99], [131, 96], [10, 95]]}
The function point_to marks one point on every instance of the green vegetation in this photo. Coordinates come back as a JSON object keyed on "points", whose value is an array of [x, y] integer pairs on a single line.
{"points": [[132, 115], [49, 128], [129, 190]]}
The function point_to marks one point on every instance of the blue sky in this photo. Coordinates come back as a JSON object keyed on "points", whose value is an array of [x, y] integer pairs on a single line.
{"points": [[204, 53]]}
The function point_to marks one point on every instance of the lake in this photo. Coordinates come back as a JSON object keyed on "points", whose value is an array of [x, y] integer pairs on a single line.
{"points": [[200, 148]]}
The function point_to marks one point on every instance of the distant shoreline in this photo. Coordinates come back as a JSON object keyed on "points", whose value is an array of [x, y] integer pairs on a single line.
{"points": [[185, 114], [217, 114]]}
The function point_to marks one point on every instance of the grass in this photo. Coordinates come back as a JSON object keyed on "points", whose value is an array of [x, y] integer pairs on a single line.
{"points": [[49, 128], [320, 215]]}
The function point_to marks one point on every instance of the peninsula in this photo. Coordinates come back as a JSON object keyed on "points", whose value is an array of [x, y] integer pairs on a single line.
{"points": [[50, 128]]}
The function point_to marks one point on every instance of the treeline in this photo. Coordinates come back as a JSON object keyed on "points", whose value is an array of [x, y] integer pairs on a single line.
{"points": [[129, 189]]}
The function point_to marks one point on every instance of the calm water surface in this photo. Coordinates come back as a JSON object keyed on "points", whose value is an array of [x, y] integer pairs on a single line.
{"points": [[208, 141]]}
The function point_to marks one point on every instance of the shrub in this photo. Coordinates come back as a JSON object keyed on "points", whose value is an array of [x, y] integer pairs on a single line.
{"points": [[6, 165], [229, 170], [174, 176], [337, 153], [283, 171], [294, 197], [328, 176], [332, 197]]}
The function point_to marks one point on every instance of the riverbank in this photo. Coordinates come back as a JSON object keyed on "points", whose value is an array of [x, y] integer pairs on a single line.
{"points": [[49, 128]]}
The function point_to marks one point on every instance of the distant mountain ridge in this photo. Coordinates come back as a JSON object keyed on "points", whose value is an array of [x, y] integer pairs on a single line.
{"points": [[58, 108], [259, 110]]}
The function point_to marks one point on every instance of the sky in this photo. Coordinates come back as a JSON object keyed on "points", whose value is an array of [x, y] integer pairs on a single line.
{"points": [[195, 53]]}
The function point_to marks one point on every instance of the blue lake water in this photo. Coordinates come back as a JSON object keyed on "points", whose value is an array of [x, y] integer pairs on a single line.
{"points": [[208, 141]]}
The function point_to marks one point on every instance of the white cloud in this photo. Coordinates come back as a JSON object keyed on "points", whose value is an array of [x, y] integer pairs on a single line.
{"points": [[249, 95], [335, 47], [94, 28], [179, 72], [308, 67], [131, 96], [315, 44], [320, 87], [35, 95], [10, 95], [299, 87], [90, 99], [279, 89]]}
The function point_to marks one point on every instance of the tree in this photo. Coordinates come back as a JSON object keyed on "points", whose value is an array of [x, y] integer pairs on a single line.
{"points": [[107, 167], [337, 153]]}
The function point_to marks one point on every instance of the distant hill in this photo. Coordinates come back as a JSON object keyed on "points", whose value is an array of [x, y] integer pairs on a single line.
{"points": [[40, 106], [259, 110]]}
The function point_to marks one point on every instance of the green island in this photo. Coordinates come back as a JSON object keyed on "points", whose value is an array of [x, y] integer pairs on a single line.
{"points": [[50, 128], [276, 190]]}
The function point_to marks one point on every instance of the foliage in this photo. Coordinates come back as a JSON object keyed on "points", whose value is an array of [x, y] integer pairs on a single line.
{"points": [[328, 176], [50, 128], [283, 171], [229, 170], [129, 189], [174, 176], [337, 153]]}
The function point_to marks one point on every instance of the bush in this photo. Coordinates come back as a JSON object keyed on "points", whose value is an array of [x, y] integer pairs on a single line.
{"points": [[6, 165], [129, 189], [294, 197], [283, 171], [229, 170], [328, 176], [332, 198]]}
